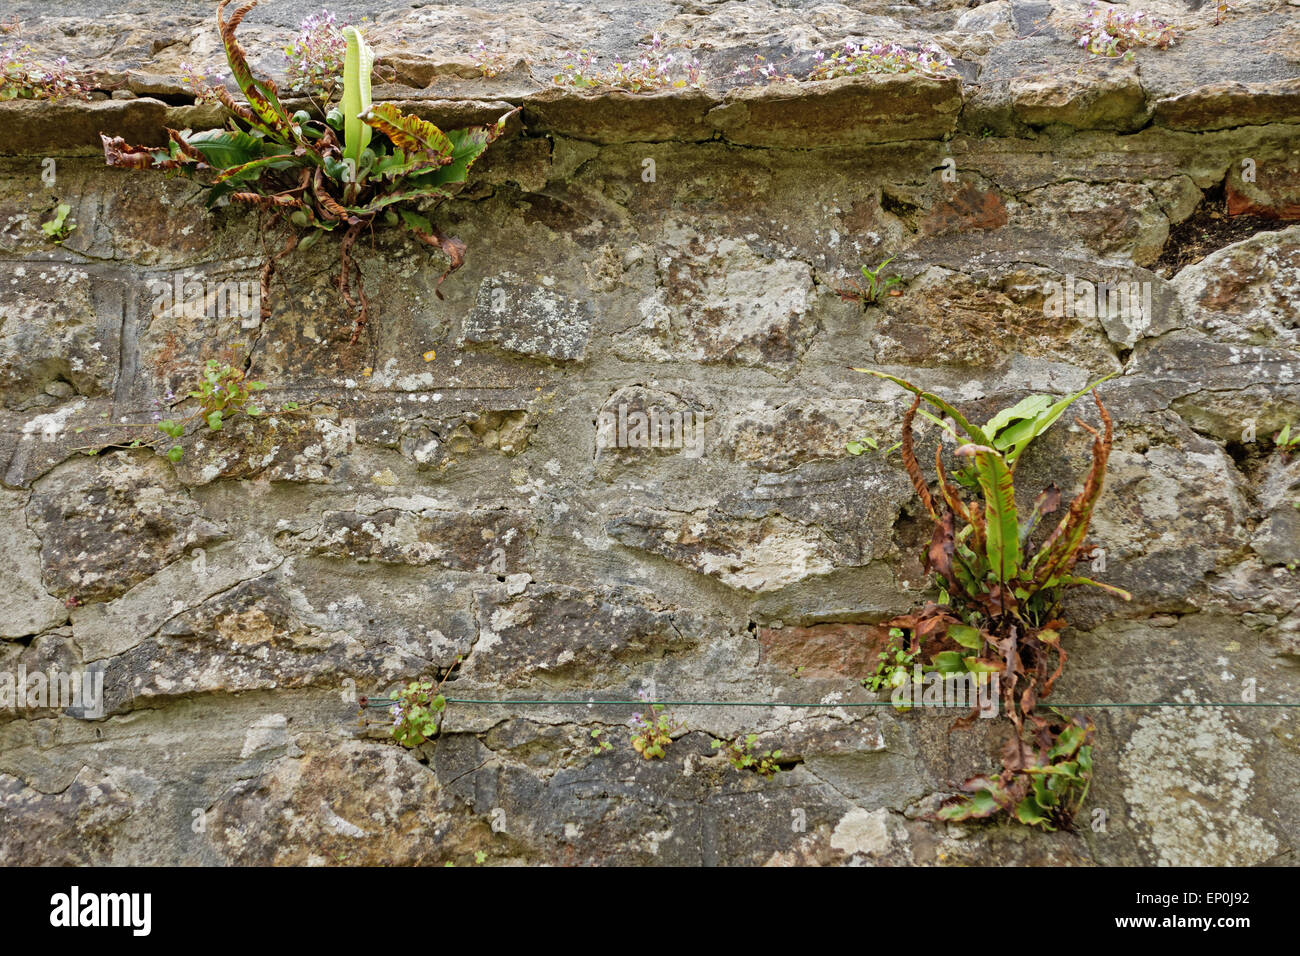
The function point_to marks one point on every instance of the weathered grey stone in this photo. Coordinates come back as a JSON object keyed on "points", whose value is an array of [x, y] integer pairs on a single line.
{"points": [[1220, 389], [995, 17], [317, 809], [56, 127], [850, 110], [105, 529], [474, 541], [439, 444], [1277, 540], [266, 634], [783, 530], [1220, 105], [1115, 100], [781, 437], [551, 632], [1175, 753], [103, 630], [274, 447], [1246, 293], [637, 423], [946, 318], [1176, 513], [530, 320], [716, 300], [824, 650], [58, 324], [25, 606]]}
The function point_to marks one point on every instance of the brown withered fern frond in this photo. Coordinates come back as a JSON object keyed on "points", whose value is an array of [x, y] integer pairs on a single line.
{"points": [[234, 106], [950, 494], [267, 202], [909, 460], [185, 147], [119, 153], [1062, 545]]}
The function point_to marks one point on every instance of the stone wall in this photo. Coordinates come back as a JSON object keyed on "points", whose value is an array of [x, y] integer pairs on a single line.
{"points": [[442, 490]]}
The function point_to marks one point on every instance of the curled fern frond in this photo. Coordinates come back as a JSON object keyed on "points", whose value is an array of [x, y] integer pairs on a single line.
{"points": [[910, 462]]}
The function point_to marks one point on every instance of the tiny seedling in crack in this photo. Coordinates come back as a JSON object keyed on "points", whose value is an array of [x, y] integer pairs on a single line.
{"points": [[740, 753], [418, 709], [875, 286], [652, 731], [220, 395], [866, 443], [60, 227], [894, 665], [1285, 442]]}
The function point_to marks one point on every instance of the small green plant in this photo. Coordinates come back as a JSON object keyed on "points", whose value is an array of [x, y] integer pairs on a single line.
{"points": [[490, 63], [866, 443], [220, 395], [657, 68], [316, 57], [742, 756], [599, 746], [895, 663], [222, 390], [361, 165], [418, 708], [854, 59], [1118, 33], [60, 227], [1285, 442], [1001, 585], [23, 77], [480, 857], [1060, 779], [875, 286], [416, 713], [653, 731]]}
